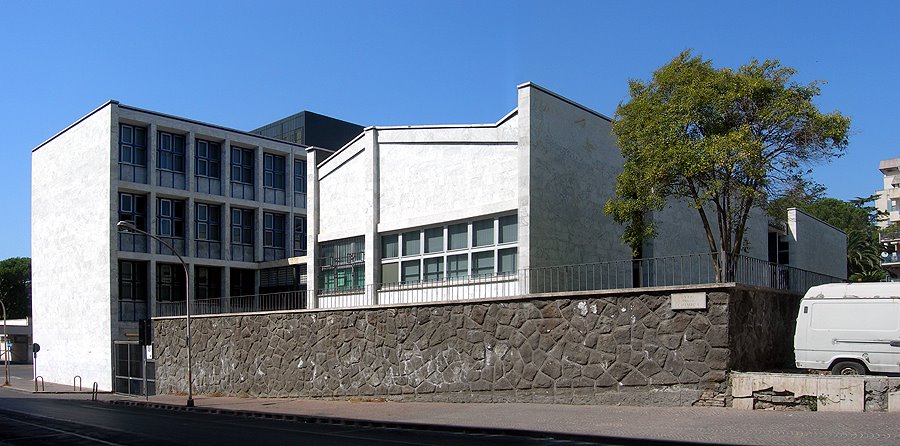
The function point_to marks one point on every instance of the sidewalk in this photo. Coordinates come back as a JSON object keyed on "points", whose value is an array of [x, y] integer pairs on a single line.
{"points": [[688, 424]]}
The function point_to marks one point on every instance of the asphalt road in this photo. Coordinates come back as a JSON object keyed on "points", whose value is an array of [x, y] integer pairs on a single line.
{"points": [[43, 420]]}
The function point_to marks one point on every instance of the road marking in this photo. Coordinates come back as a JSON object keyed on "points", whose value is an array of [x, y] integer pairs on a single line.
{"points": [[64, 432]]}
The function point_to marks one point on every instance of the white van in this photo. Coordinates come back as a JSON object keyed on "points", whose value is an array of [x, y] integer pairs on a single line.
{"points": [[850, 329]]}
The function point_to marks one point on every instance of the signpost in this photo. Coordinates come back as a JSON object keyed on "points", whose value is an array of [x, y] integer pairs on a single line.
{"points": [[35, 348]]}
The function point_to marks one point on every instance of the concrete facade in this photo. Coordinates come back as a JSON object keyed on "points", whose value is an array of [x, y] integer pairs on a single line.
{"points": [[78, 312], [815, 245]]}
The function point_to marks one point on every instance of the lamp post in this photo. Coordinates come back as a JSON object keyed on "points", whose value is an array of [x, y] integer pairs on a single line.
{"points": [[129, 226]]}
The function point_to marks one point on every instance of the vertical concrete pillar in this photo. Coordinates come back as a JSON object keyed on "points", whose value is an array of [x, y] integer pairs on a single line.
{"points": [[152, 177], [373, 254], [225, 166], [524, 185], [312, 227]]}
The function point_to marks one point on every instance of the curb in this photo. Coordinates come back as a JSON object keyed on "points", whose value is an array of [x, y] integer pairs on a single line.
{"points": [[468, 430]]}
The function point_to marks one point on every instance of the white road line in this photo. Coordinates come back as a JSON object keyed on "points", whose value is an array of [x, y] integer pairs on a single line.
{"points": [[64, 432]]}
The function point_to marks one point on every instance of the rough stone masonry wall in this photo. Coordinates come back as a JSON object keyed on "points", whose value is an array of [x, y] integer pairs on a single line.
{"points": [[582, 349]]}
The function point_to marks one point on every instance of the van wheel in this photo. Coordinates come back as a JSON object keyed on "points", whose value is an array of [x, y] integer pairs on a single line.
{"points": [[848, 368]]}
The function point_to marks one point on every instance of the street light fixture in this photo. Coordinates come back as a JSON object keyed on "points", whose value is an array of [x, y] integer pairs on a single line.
{"points": [[130, 227]]}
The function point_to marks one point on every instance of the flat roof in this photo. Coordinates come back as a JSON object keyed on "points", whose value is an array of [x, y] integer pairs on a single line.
{"points": [[164, 115]]}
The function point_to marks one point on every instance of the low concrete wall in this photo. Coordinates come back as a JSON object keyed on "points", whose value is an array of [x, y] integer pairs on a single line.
{"points": [[826, 393], [617, 347]]}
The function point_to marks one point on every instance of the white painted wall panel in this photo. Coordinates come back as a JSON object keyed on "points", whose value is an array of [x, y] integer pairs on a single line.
{"points": [[71, 222], [573, 162], [345, 195], [432, 183]]}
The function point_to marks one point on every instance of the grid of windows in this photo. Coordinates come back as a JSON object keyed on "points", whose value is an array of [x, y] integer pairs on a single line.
{"points": [[170, 153], [208, 154], [479, 248], [273, 236]]}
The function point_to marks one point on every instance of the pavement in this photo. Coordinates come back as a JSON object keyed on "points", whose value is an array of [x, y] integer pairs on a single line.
{"points": [[680, 424]]}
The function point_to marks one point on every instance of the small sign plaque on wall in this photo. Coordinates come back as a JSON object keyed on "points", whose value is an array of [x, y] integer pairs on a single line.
{"points": [[689, 301]]}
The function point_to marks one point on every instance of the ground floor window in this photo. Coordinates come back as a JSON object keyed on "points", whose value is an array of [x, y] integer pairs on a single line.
{"points": [[342, 264], [129, 370], [481, 247]]}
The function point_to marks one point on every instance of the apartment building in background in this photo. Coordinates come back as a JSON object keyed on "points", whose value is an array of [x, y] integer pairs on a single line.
{"points": [[888, 202], [232, 203]]}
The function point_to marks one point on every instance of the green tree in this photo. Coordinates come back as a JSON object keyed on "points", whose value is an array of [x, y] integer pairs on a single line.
{"points": [[723, 140], [15, 286]]}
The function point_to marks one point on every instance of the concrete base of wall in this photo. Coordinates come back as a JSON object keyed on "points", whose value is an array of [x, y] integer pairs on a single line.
{"points": [[826, 393]]}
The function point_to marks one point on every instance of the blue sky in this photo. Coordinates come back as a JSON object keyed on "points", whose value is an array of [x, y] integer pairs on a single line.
{"points": [[244, 64]]}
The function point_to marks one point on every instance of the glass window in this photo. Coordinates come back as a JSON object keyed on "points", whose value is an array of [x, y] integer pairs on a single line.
{"points": [[208, 155], [509, 229], [132, 145], [388, 246], [457, 266], [434, 240], [483, 233], [507, 261], [411, 243], [273, 171], [410, 271], [300, 176], [390, 273], [434, 269], [170, 218], [273, 230], [242, 226], [170, 152], [458, 236], [208, 227], [241, 165], [299, 236], [483, 263], [133, 208]]}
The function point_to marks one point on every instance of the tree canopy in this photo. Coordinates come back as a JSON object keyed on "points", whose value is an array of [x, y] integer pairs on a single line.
{"points": [[722, 140], [15, 286]]}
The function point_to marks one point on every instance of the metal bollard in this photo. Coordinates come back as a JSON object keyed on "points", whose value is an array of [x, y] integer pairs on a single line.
{"points": [[36, 382], [76, 379]]}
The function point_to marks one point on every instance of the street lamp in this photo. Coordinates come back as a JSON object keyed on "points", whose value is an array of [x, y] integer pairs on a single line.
{"points": [[129, 226]]}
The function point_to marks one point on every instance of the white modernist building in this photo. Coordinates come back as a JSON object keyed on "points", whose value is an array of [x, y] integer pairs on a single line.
{"points": [[397, 215], [233, 204], [424, 213]]}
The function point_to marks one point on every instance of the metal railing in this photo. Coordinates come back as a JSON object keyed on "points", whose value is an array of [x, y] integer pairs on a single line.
{"points": [[694, 269]]}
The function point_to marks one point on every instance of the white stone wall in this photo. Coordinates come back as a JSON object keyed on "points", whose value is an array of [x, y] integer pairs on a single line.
{"points": [[569, 165], [815, 245], [71, 223], [445, 180], [343, 192]]}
